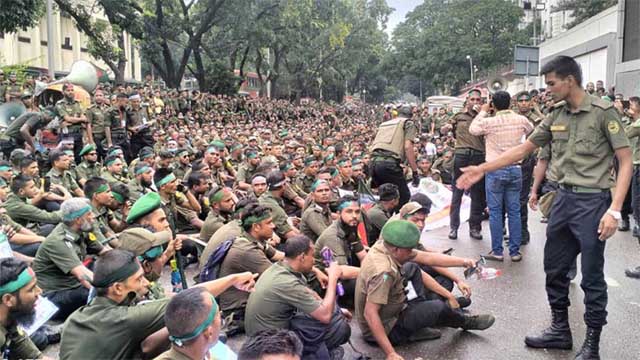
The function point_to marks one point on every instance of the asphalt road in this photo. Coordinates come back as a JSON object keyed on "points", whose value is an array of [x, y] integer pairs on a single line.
{"points": [[518, 301]]}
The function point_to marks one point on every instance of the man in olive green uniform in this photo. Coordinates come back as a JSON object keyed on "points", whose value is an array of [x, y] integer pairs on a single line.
{"points": [[393, 145], [89, 167], [346, 171], [113, 314], [309, 176], [21, 206], [74, 121], [96, 113], [18, 286], [138, 123], [389, 304], [222, 203], [439, 120], [317, 217], [60, 174], [469, 151], [246, 170], [378, 215], [115, 123], [59, 261], [3, 88], [23, 130], [113, 168], [141, 182], [13, 89], [585, 133], [182, 166], [272, 199]]}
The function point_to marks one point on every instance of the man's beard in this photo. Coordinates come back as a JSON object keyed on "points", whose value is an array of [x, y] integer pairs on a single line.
{"points": [[23, 315], [86, 226], [145, 183]]}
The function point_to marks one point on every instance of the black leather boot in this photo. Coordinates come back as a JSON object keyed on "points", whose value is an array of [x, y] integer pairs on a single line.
{"points": [[557, 336], [591, 347]]}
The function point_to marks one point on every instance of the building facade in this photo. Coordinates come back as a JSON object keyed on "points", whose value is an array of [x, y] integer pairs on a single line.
{"points": [[70, 44]]}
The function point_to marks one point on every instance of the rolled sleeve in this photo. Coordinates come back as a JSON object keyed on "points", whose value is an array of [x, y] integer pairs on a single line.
{"points": [[542, 134]]}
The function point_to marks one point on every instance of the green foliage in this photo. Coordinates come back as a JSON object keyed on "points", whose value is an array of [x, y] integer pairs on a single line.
{"points": [[20, 14], [434, 40], [19, 69], [582, 10]]}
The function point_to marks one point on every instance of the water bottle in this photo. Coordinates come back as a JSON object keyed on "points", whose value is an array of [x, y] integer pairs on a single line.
{"points": [[327, 256], [176, 280], [486, 273]]}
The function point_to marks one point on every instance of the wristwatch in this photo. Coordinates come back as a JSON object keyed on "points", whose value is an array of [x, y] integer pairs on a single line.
{"points": [[616, 214]]}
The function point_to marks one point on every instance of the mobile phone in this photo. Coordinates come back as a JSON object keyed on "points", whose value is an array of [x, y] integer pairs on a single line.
{"points": [[180, 187], [625, 104], [47, 184]]}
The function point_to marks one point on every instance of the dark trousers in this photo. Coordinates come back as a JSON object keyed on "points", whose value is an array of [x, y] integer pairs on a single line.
{"points": [[527, 180], [26, 249], [444, 281], [68, 300], [319, 339], [77, 143], [140, 140], [100, 150], [389, 171], [119, 137], [573, 229], [421, 312], [635, 194], [478, 200]]}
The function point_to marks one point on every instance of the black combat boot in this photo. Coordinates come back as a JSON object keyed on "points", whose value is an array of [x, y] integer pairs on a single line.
{"points": [[591, 347], [557, 336]]}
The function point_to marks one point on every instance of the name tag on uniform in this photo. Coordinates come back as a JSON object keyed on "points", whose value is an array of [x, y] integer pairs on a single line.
{"points": [[558, 128]]}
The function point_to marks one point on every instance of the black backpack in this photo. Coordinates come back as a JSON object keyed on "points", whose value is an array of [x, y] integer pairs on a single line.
{"points": [[211, 271]]}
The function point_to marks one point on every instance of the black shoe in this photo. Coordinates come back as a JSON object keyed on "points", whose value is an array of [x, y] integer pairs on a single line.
{"points": [[556, 336], [475, 234], [53, 338], [636, 231], [425, 334], [525, 238], [453, 234], [478, 322], [591, 347], [463, 301], [633, 272], [624, 225]]}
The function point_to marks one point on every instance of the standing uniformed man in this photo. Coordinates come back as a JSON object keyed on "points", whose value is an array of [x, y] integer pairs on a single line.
{"points": [[116, 126], [317, 216], [469, 150], [391, 146], [13, 90], [526, 108], [96, 113], [3, 88], [585, 133], [138, 124], [74, 121]]}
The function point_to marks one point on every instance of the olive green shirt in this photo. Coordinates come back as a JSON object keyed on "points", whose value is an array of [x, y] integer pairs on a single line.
{"points": [[246, 254], [96, 115], [279, 293], [136, 190], [343, 242], [35, 120], [464, 139], [71, 108], [172, 354], [59, 253], [28, 215], [377, 217], [85, 171], [245, 173], [64, 179], [278, 214], [315, 219], [17, 343], [113, 179], [633, 131], [379, 282], [212, 223], [582, 142], [106, 330], [230, 230]]}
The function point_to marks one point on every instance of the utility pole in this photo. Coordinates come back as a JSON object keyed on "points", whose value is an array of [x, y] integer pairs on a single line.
{"points": [[50, 40]]}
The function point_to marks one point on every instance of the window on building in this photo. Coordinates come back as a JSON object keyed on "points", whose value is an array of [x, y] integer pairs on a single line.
{"points": [[630, 48], [24, 39], [67, 44]]}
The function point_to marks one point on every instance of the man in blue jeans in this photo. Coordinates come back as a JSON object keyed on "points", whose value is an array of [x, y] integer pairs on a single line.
{"points": [[502, 132]]}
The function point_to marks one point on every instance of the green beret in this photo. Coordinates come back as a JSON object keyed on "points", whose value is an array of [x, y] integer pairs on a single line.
{"points": [[401, 233], [87, 149], [145, 205], [218, 144], [283, 133], [309, 160]]}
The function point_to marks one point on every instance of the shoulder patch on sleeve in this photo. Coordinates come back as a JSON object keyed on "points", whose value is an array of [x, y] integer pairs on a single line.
{"points": [[613, 127]]}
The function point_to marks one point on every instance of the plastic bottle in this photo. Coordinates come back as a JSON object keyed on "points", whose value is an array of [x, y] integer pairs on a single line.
{"points": [[486, 273], [327, 256], [176, 280]]}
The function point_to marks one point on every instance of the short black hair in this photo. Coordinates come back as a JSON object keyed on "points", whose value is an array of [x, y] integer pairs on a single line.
{"points": [[55, 155], [185, 311], [27, 161], [635, 99], [243, 203], [296, 246], [501, 100], [198, 165], [107, 264], [10, 268], [19, 182], [423, 200], [160, 174], [121, 189], [563, 66], [253, 209], [271, 342], [195, 178], [92, 185]]}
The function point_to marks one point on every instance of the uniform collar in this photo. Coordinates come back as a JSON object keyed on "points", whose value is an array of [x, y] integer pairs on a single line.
{"points": [[70, 234], [585, 105], [379, 248]]}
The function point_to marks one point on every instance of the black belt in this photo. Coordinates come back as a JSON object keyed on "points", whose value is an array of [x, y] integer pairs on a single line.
{"points": [[581, 189], [468, 151]]}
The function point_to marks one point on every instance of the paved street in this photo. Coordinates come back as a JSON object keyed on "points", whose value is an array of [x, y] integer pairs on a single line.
{"points": [[518, 301]]}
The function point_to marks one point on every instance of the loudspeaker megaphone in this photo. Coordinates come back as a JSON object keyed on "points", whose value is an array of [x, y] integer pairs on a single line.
{"points": [[82, 73], [496, 83], [10, 111]]}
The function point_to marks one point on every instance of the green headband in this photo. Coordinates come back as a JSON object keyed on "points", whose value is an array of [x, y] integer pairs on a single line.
{"points": [[217, 196], [252, 155], [102, 188], [346, 204], [5, 168], [119, 198], [165, 180], [122, 273], [334, 173], [115, 152], [23, 279], [112, 161], [250, 220], [285, 167], [318, 183], [143, 170], [76, 214], [179, 340], [151, 254]]}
